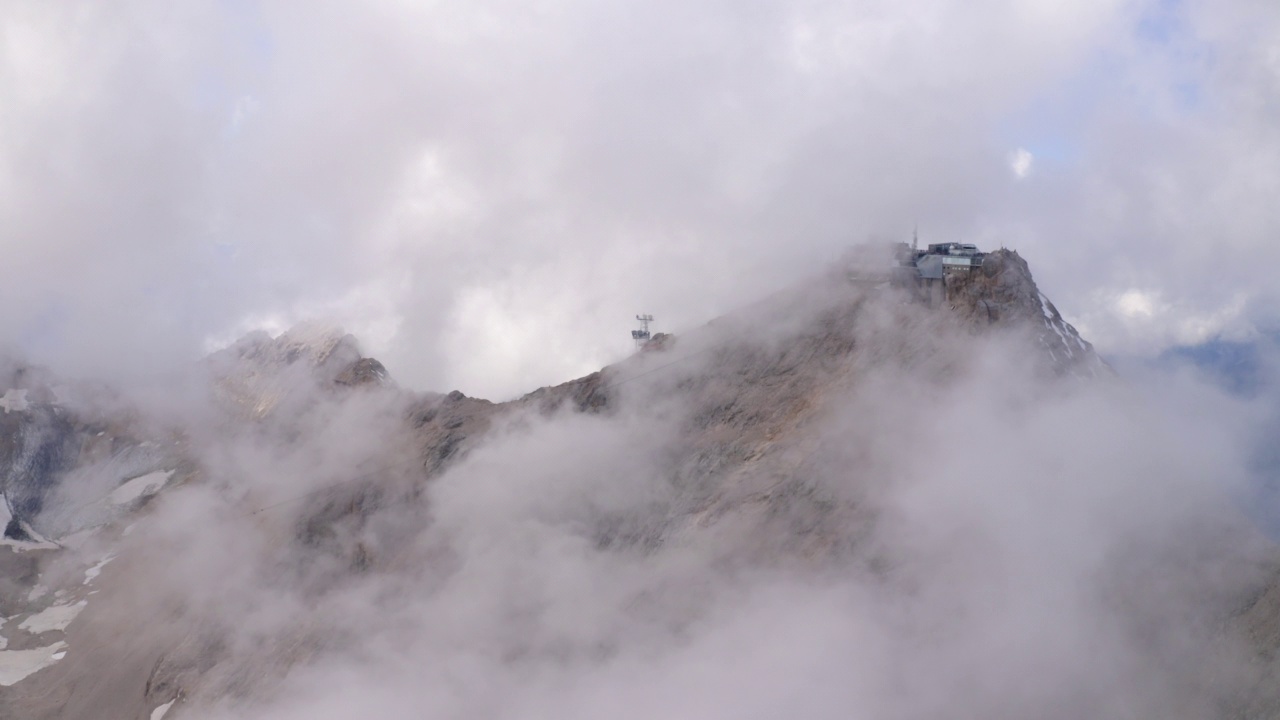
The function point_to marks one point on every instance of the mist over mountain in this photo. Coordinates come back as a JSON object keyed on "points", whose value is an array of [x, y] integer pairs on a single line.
{"points": [[321, 397], [856, 496], [1244, 367]]}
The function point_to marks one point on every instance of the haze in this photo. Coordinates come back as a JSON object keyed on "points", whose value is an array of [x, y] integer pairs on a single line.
{"points": [[487, 192]]}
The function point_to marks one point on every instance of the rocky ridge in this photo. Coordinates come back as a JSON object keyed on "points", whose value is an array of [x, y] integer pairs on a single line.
{"points": [[739, 401]]}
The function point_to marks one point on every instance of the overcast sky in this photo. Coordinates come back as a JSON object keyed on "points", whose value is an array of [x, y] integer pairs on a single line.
{"points": [[486, 192]]}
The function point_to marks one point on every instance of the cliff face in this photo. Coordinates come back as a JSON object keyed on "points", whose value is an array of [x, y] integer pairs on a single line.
{"points": [[785, 438], [1002, 292]]}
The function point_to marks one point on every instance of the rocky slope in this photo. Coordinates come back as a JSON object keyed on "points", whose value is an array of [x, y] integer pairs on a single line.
{"points": [[225, 554], [1002, 292]]}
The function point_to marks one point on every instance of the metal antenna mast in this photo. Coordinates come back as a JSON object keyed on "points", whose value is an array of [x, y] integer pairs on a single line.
{"points": [[641, 336]]}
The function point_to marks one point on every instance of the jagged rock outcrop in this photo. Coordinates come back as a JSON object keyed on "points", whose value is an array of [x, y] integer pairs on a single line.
{"points": [[365, 371], [1002, 292], [76, 441], [259, 373], [447, 425]]}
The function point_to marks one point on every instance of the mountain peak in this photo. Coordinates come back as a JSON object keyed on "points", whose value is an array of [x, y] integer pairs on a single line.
{"points": [[258, 372], [1001, 291]]}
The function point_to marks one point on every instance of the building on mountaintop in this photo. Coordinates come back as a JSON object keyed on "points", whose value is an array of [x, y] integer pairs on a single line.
{"points": [[928, 271]]}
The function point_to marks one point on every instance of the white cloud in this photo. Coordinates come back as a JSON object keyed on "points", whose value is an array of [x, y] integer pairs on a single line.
{"points": [[1145, 322], [1020, 162], [682, 160], [1136, 304]]}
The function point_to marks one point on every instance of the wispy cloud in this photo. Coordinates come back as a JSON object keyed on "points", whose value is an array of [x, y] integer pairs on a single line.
{"points": [[670, 159]]}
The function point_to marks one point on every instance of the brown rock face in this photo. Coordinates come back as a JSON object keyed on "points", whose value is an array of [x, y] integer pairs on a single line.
{"points": [[364, 371], [1002, 292]]}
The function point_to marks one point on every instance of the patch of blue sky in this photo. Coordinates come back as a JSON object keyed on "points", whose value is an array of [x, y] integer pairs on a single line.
{"points": [[1162, 28], [1187, 94], [1053, 126], [1162, 22], [1052, 149], [225, 252]]}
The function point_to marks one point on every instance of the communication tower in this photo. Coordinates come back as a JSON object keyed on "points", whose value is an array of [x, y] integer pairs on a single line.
{"points": [[641, 336]]}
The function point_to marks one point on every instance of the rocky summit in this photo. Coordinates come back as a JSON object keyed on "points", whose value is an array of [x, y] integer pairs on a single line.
{"points": [[896, 498]]}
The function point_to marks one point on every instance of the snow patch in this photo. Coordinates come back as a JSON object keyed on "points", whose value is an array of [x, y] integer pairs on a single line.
{"points": [[96, 570], [18, 664], [158, 713], [1044, 307], [140, 487], [1063, 338], [57, 617]]}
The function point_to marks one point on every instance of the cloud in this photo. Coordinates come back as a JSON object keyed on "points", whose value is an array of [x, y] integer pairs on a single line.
{"points": [[1134, 321], [1020, 163], [943, 534], [488, 192], [167, 176]]}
